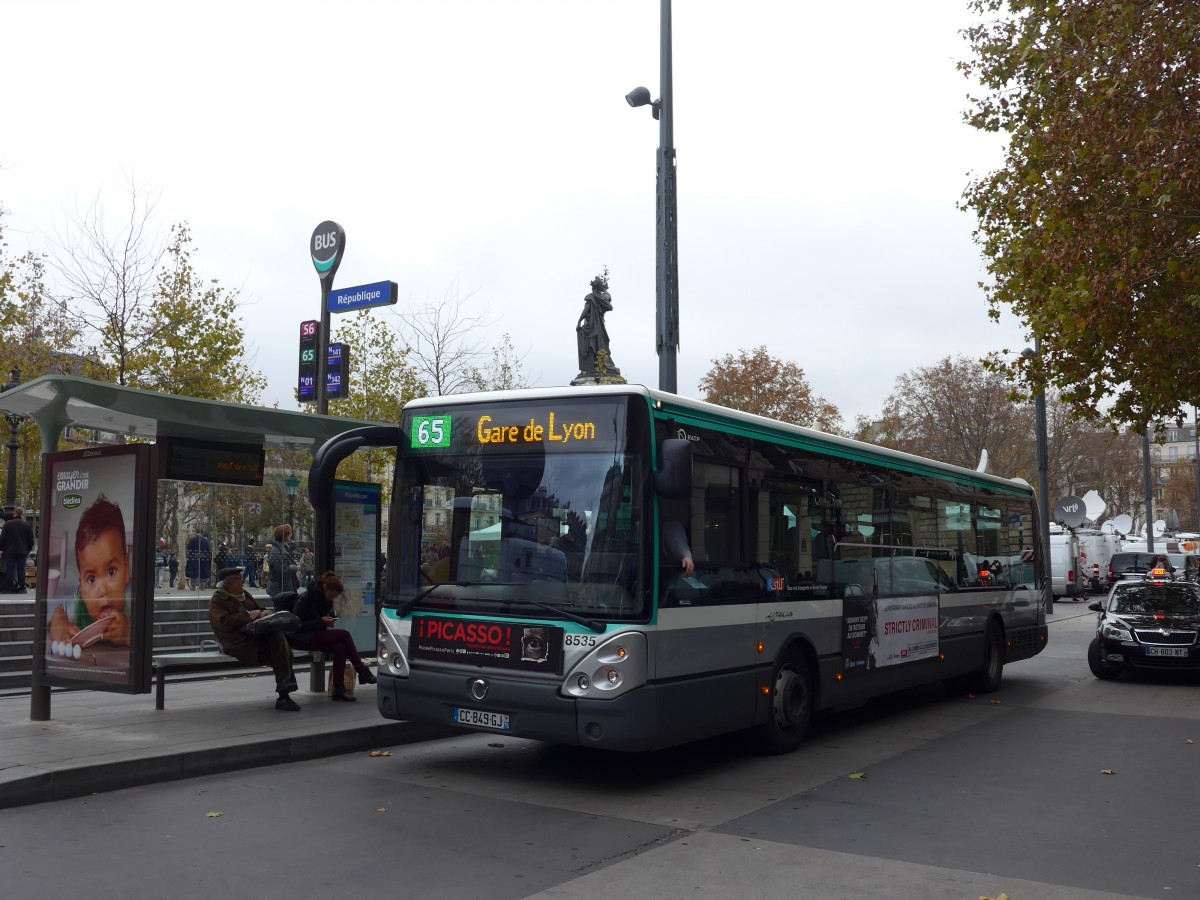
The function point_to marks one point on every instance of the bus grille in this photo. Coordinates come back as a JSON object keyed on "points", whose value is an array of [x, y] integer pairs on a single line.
{"points": [[1174, 638]]}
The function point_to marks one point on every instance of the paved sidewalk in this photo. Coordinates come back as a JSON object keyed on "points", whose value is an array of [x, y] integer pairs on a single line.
{"points": [[97, 741]]}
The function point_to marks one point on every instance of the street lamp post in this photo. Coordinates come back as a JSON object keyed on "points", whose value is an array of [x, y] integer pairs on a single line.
{"points": [[292, 483], [666, 237], [1196, 435], [14, 422], [1043, 467]]}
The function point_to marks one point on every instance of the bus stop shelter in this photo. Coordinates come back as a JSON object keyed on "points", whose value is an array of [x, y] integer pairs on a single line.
{"points": [[55, 402]]}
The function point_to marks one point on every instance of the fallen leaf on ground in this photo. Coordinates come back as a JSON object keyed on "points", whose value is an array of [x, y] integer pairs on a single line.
{"points": [[1189, 741], [381, 809], [213, 815], [381, 752], [1108, 771], [997, 702], [857, 776]]}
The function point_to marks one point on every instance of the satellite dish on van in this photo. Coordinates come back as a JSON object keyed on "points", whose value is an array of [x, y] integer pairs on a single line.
{"points": [[1160, 527], [1108, 528], [1070, 511], [1095, 505], [1123, 523]]}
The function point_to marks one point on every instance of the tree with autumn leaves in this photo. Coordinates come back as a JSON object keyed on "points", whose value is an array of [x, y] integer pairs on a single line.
{"points": [[1091, 227], [756, 382]]}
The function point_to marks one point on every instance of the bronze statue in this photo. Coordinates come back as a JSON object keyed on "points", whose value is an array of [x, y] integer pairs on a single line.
{"points": [[595, 360]]}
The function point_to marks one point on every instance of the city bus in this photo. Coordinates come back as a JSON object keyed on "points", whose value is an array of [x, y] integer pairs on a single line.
{"points": [[530, 591]]}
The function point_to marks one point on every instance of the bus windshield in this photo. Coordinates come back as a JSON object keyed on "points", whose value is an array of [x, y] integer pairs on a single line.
{"points": [[511, 507]]}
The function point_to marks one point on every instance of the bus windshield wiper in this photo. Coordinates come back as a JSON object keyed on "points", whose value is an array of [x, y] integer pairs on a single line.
{"points": [[405, 608], [566, 613]]}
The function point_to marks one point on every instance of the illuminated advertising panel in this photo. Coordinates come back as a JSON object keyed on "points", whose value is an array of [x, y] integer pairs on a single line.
{"points": [[94, 599]]}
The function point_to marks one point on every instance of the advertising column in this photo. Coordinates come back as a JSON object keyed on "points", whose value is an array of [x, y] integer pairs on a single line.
{"points": [[94, 599], [356, 535]]}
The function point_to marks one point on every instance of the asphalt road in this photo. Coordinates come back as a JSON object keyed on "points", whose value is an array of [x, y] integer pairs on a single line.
{"points": [[963, 797]]}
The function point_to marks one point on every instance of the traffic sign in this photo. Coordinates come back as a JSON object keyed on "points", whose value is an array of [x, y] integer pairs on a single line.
{"points": [[381, 293]]}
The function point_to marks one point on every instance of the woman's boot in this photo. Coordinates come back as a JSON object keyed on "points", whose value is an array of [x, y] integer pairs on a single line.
{"points": [[365, 676]]}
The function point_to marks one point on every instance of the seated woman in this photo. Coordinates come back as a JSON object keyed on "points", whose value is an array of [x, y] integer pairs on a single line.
{"points": [[314, 608]]}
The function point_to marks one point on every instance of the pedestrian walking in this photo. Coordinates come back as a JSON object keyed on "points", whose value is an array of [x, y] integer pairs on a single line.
{"points": [[16, 541]]}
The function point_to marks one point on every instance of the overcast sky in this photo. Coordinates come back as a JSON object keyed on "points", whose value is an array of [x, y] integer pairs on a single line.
{"points": [[485, 147]]}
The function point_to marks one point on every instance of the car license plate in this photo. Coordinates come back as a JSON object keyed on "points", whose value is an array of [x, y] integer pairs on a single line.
{"points": [[1166, 651], [481, 718]]}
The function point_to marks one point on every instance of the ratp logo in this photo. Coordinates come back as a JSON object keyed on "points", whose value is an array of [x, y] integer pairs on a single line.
{"points": [[72, 501]]}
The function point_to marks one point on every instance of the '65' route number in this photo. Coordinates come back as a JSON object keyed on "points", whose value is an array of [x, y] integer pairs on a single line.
{"points": [[580, 640]]}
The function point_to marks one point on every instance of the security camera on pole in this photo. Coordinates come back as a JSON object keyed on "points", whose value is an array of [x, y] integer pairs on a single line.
{"points": [[327, 246]]}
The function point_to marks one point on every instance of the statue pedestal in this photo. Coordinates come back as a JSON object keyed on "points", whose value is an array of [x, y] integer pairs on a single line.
{"points": [[586, 379]]}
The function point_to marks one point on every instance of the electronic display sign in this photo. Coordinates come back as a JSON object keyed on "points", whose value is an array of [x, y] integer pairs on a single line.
{"points": [[306, 384], [210, 462]]}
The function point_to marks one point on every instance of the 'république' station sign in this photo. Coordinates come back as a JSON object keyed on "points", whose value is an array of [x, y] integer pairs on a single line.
{"points": [[347, 299]]}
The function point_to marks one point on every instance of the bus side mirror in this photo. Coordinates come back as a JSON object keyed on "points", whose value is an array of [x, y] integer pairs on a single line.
{"points": [[673, 480]]}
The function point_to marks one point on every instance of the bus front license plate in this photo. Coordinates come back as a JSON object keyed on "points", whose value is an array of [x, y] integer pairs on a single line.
{"points": [[1166, 651], [481, 718]]}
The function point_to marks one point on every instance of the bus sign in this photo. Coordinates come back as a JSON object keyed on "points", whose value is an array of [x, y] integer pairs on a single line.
{"points": [[430, 431], [306, 384], [337, 372]]}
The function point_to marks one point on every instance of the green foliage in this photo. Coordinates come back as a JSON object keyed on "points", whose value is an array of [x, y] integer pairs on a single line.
{"points": [[756, 382], [1091, 226], [190, 338], [34, 341]]}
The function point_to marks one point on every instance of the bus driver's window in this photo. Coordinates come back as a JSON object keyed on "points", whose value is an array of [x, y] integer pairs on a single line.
{"points": [[675, 555]]}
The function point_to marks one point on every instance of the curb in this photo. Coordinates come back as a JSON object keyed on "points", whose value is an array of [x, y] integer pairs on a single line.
{"points": [[21, 787]]}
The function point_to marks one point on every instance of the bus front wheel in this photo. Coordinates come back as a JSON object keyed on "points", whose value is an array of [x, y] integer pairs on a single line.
{"points": [[791, 705]]}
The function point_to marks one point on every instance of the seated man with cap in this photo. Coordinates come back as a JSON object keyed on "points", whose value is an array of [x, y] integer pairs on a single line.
{"points": [[230, 608]]}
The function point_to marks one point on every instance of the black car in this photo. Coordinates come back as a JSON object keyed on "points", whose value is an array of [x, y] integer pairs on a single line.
{"points": [[1150, 623], [1124, 565]]}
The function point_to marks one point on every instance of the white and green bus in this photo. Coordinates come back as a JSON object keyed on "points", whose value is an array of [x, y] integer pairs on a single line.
{"points": [[529, 590]]}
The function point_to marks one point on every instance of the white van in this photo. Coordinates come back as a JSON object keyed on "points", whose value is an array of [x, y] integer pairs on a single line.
{"points": [[1095, 550], [1066, 567]]}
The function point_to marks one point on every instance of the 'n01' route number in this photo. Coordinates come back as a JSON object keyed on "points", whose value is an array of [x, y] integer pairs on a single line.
{"points": [[430, 431]]}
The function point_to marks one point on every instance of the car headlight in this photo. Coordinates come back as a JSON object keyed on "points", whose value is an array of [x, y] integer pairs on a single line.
{"points": [[1116, 630]]}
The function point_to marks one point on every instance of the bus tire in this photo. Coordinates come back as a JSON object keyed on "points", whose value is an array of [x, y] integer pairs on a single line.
{"points": [[792, 699], [1099, 668], [987, 679]]}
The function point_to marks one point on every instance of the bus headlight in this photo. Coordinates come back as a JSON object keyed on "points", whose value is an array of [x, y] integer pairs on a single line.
{"points": [[612, 668], [392, 645]]}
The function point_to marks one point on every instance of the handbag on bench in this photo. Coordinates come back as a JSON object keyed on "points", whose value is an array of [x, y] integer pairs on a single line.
{"points": [[280, 620]]}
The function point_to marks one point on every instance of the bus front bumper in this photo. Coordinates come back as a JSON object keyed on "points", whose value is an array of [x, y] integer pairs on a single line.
{"points": [[534, 710]]}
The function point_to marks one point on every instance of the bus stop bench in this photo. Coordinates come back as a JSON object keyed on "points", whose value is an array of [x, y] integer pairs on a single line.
{"points": [[212, 657]]}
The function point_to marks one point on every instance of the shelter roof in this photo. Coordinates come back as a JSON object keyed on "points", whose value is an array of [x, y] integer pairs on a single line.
{"points": [[56, 401]]}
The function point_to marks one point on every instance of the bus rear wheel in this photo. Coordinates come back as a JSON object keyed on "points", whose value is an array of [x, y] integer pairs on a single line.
{"points": [[987, 679], [791, 705]]}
